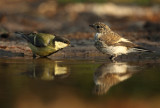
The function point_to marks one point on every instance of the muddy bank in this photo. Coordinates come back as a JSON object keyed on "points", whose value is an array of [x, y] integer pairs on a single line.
{"points": [[81, 48]]}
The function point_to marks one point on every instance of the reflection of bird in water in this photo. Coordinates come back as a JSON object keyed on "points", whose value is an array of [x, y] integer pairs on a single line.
{"points": [[46, 69], [108, 75]]}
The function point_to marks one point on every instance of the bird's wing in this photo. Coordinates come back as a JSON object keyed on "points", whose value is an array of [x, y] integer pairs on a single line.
{"points": [[126, 43], [38, 39], [116, 40], [129, 44], [43, 40], [110, 38]]}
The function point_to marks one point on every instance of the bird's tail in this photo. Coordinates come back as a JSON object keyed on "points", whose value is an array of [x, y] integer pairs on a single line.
{"points": [[20, 34], [140, 49]]}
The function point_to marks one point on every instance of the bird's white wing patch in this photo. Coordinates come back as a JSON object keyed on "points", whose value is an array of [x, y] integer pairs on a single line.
{"points": [[59, 45], [123, 40]]}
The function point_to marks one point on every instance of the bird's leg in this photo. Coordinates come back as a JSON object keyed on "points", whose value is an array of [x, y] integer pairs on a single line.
{"points": [[112, 58], [34, 56]]}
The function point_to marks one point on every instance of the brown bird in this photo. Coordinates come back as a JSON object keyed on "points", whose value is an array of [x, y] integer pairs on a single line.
{"points": [[109, 42]]}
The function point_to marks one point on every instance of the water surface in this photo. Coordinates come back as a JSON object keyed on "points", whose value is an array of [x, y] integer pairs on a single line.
{"points": [[46, 83]]}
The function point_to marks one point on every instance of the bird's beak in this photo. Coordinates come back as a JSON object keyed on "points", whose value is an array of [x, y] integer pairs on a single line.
{"points": [[91, 25]]}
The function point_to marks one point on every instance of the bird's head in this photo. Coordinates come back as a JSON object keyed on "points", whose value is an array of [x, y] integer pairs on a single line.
{"points": [[100, 27]]}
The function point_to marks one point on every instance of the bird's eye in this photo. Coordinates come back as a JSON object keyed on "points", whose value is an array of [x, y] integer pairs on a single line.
{"points": [[98, 26]]}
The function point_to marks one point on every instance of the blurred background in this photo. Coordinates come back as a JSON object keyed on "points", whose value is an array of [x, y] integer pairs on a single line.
{"points": [[134, 19], [70, 16]]}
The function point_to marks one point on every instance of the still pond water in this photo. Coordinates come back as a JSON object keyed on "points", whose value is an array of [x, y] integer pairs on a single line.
{"points": [[46, 83]]}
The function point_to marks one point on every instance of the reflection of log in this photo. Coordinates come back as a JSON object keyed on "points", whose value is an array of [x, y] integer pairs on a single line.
{"points": [[108, 75]]}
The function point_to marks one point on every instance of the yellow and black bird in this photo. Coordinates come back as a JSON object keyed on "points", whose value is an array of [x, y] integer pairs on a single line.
{"points": [[43, 44]]}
